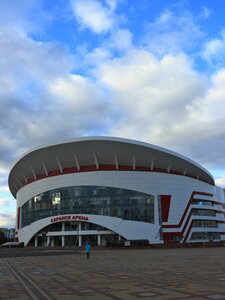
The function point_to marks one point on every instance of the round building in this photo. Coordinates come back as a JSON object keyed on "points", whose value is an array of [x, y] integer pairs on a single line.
{"points": [[114, 190]]}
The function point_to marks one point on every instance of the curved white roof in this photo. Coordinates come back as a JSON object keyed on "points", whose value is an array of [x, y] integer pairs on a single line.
{"points": [[97, 152]]}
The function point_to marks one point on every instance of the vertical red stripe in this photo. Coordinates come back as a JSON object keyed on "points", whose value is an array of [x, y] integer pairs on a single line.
{"points": [[165, 203], [18, 218], [168, 236]]}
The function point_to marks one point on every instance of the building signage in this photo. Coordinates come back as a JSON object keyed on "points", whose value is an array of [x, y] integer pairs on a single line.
{"points": [[69, 218]]}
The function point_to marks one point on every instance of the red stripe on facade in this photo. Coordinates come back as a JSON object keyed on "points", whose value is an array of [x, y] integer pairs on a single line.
{"points": [[18, 218], [188, 232], [219, 203], [186, 209], [165, 203], [92, 168], [167, 235]]}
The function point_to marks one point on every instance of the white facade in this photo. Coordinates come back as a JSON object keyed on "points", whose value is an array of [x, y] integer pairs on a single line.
{"points": [[183, 205]]}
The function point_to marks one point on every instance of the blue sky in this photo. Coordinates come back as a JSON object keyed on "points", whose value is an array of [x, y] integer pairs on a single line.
{"points": [[141, 69]]}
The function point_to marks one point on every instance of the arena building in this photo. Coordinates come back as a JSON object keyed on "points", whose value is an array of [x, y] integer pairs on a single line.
{"points": [[107, 189]]}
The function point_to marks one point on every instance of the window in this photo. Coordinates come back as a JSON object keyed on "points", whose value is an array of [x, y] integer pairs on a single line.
{"points": [[55, 198], [205, 236], [205, 223], [114, 202], [202, 202], [204, 212]]}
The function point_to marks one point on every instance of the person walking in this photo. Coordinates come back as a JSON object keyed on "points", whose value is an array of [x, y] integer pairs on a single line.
{"points": [[87, 249]]}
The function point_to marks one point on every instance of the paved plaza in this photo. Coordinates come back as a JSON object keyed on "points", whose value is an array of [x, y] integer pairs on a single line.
{"points": [[187, 273]]}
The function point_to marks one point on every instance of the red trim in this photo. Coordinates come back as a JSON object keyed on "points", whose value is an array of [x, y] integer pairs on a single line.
{"points": [[165, 203], [184, 228], [221, 222], [189, 229], [186, 209], [219, 203], [167, 235], [92, 168], [18, 218]]}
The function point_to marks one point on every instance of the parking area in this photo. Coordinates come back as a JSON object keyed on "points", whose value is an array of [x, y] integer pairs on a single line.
{"points": [[186, 273]]}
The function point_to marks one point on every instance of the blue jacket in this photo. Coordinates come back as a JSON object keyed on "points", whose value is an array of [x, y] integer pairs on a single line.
{"points": [[87, 248]]}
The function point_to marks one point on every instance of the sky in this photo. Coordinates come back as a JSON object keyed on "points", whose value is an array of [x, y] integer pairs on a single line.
{"points": [[150, 70]]}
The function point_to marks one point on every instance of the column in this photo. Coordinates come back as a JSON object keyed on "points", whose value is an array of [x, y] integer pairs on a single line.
{"points": [[79, 234], [48, 241], [99, 239], [36, 241], [79, 226], [52, 241], [158, 216], [156, 209], [63, 237], [63, 240], [80, 240]]}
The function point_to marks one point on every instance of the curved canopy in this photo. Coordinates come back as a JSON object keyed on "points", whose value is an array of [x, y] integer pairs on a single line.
{"points": [[99, 152]]}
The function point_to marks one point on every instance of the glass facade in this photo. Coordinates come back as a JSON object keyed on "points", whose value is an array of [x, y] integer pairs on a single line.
{"points": [[205, 236], [205, 223], [204, 212], [99, 200], [202, 202]]}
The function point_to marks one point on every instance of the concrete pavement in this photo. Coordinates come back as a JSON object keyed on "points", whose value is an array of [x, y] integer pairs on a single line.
{"points": [[186, 273]]}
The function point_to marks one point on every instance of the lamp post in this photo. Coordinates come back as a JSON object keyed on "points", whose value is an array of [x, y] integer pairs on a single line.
{"points": [[77, 228]]}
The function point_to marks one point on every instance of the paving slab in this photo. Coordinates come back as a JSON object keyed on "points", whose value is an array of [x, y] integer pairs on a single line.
{"points": [[161, 274]]}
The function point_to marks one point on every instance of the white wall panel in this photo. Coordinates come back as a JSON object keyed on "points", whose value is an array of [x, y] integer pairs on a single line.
{"points": [[179, 187], [131, 230]]}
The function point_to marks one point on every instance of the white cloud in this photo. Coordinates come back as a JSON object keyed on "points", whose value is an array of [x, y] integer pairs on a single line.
{"points": [[23, 72], [23, 15], [84, 102], [112, 4], [166, 102], [172, 33], [121, 39], [220, 181], [96, 56], [138, 95], [149, 84], [25, 104], [214, 50], [41, 101], [4, 188], [8, 205], [7, 220], [3, 175], [7, 202], [160, 99], [92, 14], [206, 12]]}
